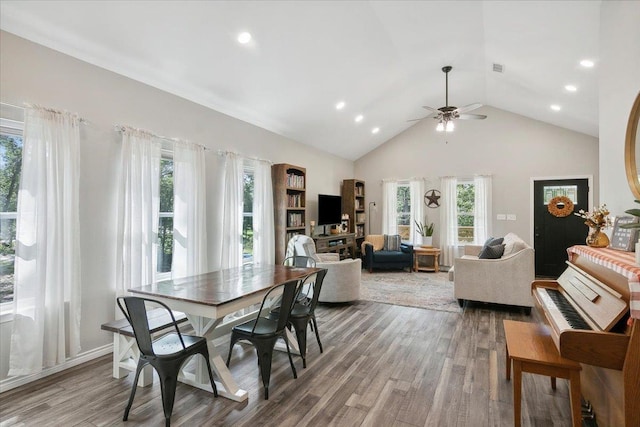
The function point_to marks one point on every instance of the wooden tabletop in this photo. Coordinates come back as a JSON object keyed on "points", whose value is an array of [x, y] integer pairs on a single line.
{"points": [[426, 250], [223, 286]]}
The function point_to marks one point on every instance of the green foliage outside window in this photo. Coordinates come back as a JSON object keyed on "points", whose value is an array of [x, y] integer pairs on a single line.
{"points": [[165, 228], [247, 217], [10, 167], [465, 204]]}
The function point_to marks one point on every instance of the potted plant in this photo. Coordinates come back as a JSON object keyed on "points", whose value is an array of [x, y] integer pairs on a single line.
{"points": [[426, 231]]}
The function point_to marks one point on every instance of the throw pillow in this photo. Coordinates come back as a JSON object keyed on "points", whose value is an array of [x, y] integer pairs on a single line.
{"points": [[492, 241], [392, 242], [491, 252]]}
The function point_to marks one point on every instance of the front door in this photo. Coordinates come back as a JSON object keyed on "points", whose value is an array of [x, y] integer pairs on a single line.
{"points": [[554, 234]]}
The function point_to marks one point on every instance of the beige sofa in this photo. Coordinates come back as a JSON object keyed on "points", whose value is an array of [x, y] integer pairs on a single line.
{"points": [[506, 280]]}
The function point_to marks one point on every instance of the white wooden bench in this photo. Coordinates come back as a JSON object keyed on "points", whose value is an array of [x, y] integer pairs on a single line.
{"points": [[125, 350]]}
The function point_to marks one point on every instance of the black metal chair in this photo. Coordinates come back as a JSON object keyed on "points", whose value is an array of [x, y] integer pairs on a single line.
{"points": [[166, 354], [263, 332], [303, 312], [299, 261]]}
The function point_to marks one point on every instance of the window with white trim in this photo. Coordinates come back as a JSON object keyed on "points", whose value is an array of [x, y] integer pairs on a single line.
{"points": [[465, 197], [404, 210], [248, 180], [10, 169], [165, 223]]}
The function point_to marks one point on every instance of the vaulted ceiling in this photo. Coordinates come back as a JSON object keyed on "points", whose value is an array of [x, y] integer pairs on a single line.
{"points": [[383, 59]]}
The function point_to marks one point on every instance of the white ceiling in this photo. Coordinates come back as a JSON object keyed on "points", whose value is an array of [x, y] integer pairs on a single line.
{"points": [[383, 58]]}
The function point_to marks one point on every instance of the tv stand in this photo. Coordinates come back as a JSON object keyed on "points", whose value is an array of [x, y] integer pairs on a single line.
{"points": [[343, 244]]}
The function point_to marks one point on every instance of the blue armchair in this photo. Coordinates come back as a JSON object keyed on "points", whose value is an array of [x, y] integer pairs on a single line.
{"points": [[376, 256]]}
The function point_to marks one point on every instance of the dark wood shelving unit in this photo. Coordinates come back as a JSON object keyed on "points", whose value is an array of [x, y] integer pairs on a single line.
{"points": [[353, 204], [289, 204]]}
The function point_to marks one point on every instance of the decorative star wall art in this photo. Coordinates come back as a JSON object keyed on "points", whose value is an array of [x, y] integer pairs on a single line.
{"points": [[432, 198]]}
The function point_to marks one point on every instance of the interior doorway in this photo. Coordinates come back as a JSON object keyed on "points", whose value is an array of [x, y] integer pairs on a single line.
{"points": [[552, 235]]}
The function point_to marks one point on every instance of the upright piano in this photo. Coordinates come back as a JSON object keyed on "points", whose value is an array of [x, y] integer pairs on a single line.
{"points": [[593, 318]]}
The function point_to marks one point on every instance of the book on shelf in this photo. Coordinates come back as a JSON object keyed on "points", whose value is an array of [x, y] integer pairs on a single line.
{"points": [[295, 181], [360, 217]]}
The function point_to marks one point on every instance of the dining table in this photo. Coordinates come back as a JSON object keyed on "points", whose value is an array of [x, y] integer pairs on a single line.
{"points": [[209, 299]]}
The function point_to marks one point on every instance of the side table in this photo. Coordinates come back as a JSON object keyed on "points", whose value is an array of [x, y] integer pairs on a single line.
{"points": [[426, 251]]}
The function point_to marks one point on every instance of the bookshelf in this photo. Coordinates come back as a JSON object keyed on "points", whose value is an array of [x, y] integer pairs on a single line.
{"points": [[289, 204], [353, 204]]}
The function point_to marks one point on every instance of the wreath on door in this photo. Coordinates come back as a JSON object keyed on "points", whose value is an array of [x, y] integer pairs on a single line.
{"points": [[560, 206]]}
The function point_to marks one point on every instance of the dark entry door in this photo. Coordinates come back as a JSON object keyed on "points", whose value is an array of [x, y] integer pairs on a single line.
{"points": [[553, 235]]}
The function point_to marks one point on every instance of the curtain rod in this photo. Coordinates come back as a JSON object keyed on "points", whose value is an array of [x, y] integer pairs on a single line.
{"points": [[121, 128], [222, 152], [49, 109]]}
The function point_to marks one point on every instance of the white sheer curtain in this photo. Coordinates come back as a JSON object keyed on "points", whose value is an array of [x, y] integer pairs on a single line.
{"points": [[389, 207], [138, 209], [47, 262], [263, 225], [189, 210], [482, 208], [449, 219], [232, 203], [416, 191]]}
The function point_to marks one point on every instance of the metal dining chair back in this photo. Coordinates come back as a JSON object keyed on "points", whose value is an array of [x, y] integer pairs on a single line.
{"points": [[165, 354]]}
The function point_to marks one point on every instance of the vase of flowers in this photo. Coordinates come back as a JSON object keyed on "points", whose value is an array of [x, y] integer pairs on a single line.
{"points": [[597, 220]]}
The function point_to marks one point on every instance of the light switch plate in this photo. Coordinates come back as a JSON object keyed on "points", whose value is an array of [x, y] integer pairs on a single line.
{"points": [[501, 217], [511, 217]]}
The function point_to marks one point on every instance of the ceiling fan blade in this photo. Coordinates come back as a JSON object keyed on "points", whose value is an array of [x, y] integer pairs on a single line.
{"points": [[416, 120], [472, 116], [468, 108], [430, 109]]}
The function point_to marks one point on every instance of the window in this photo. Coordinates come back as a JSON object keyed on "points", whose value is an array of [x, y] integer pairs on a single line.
{"points": [[404, 211], [551, 191], [165, 225], [10, 168], [248, 178], [465, 195]]}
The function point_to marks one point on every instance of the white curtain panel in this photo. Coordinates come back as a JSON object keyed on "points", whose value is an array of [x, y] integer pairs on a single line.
{"points": [[389, 207], [416, 191], [138, 210], [482, 208], [232, 204], [263, 225], [189, 210], [449, 219], [47, 262]]}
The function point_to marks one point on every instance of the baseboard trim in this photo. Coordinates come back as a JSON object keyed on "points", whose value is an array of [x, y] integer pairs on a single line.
{"points": [[14, 382]]}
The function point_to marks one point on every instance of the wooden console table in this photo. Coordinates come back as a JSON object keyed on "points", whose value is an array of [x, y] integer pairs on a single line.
{"points": [[343, 244]]}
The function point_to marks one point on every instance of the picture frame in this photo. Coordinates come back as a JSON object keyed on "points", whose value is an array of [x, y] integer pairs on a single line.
{"points": [[624, 238]]}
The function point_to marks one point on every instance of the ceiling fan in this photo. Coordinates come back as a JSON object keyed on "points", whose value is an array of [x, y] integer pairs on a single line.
{"points": [[447, 114]]}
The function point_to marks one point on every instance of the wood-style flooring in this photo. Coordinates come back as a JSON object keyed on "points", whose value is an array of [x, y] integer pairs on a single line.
{"points": [[383, 365]]}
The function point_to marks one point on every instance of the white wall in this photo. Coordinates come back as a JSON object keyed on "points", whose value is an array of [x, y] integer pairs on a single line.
{"points": [[35, 74], [508, 146], [619, 86]]}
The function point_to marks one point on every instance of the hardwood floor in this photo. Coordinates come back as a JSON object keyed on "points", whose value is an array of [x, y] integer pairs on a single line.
{"points": [[383, 365]]}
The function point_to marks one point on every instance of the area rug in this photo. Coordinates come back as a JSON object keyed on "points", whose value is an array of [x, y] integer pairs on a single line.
{"points": [[432, 291]]}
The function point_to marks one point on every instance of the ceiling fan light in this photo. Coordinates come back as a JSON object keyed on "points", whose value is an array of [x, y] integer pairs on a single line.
{"points": [[440, 127], [450, 126]]}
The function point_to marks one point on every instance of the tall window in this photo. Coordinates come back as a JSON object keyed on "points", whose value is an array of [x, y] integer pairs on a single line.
{"points": [[404, 211], [165, 226], [10, 167], [248, 180], [465, 203]]}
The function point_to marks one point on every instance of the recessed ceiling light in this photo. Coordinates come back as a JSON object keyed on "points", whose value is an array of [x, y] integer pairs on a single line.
{"points": [[571, 88], [556, 107], [587, 63], [244, 38], [359, 118], [340, 105], [375, 130]]}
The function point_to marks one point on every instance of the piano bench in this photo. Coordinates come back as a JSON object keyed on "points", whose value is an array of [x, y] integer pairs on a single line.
{"points": [[531, 349]]}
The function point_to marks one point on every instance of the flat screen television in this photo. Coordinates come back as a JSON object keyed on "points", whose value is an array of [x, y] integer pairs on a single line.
{"points": [[329, 209]]}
